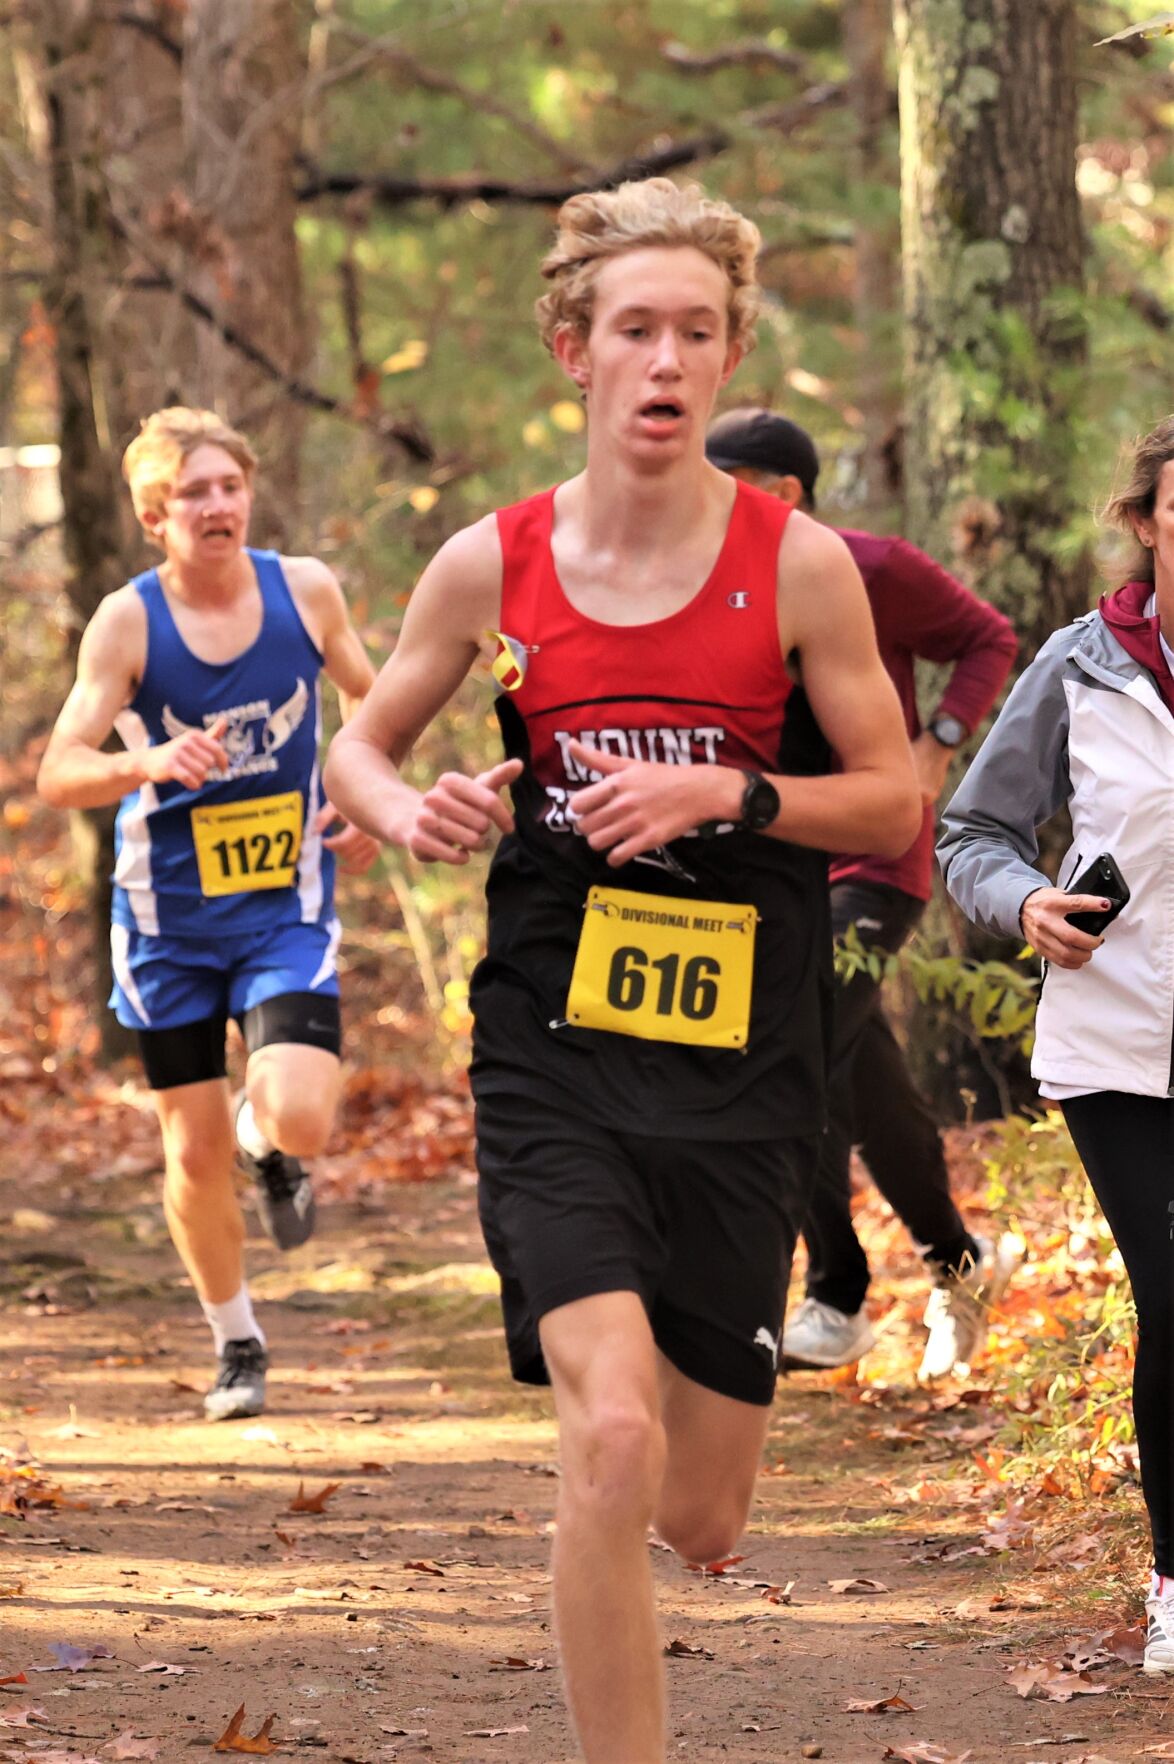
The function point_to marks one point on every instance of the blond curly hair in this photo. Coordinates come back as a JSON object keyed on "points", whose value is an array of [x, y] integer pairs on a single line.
{"points": [[603, 223], [164, 440]]}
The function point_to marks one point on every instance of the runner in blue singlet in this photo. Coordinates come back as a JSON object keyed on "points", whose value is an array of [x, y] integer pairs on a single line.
{"points": [[223, 887]]}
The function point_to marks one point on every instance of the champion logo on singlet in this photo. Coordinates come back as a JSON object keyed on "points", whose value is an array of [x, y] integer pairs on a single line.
{"points": [[254, 734], [739, 599]]}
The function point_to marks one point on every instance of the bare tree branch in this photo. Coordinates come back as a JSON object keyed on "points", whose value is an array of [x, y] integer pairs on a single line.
{"points": [[405, 432], [751, 50], [374, 51], [452, 192], [152, 29]]}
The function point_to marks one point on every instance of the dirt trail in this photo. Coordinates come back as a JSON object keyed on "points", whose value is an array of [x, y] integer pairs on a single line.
{"points": [[410, 1617]]}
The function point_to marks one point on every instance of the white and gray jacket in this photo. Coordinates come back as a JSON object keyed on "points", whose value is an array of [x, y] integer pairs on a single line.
{"points": [[1084, 725]]}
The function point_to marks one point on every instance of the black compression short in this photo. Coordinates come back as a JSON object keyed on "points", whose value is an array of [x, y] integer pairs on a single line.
{"points": [[193, 1053], [702, 1231]]}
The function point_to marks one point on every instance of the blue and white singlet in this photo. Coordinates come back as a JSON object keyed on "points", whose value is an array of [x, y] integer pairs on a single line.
{"points": [[241, 853]]}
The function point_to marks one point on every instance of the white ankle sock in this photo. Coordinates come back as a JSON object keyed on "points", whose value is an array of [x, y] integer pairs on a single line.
{"points": [[1159, 1583], [233, 1320], [248, 1135]]}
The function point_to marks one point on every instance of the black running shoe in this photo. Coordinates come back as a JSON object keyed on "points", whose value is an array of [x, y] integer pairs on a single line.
{"points": [[284, 1195], [239, 1389]]}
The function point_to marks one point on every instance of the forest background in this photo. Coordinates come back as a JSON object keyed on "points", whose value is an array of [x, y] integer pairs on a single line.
{"points": [[326, 221]]}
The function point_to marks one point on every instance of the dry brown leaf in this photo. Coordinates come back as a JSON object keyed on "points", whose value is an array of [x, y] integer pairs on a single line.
{"points": [[1126, 1643], [922, 1752], [493, 1732], [425, 1567], [233, 1740], [11, 1590], [304, 1503], [1051, 1682], [23, 1715], [880, 1704], [15, 1678], [163, 1666], [127, 1746], [859, 1585], [683, 1650], [515, 1663]]}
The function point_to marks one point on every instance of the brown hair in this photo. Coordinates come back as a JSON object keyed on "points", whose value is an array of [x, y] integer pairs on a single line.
{"points": [[163, 442], [1139, 493], [603, 223]]}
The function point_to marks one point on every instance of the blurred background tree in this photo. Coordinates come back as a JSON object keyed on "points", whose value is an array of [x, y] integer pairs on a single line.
{"points": [[326, 219]]}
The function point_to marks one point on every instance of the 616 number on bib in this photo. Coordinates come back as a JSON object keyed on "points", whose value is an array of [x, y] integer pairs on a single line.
{"points": [[631, 970]]}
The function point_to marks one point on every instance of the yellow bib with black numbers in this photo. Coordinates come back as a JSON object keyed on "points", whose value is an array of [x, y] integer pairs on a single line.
{"points": [[243, 846], [664, 969]]}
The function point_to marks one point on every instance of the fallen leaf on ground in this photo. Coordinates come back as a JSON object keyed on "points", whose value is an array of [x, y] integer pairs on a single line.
{"points": [[493, 1732], [683, 1650], [316, 1503], [23, 1715], [162, 1666], [127, 1746], [15, 1678], [858, 1586], [878, 1707], [406, 1732], [425, 1567], [233, 1740], [73, 1659], [514, 1663], [11, 1590], [1052, 1682], [1127, 1643], [921, 1752]]}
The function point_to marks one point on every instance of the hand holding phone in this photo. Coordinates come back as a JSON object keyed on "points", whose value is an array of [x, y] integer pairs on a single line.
{"points": [[1102, 877]]}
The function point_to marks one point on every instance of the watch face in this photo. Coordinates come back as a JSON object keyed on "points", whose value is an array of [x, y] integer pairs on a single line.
{"points": [[948, 730], [760, 804]]}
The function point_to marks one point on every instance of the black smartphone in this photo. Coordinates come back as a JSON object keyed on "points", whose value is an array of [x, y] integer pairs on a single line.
{"points": [[1101, 877]]}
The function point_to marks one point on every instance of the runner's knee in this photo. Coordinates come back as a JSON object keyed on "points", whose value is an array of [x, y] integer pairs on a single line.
{"points": [[701, 1533], [613, 1459], [297, 1125]]}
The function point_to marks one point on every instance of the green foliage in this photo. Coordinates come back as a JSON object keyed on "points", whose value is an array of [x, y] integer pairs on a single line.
{"points": [[1068, 1378], [997, 1000]]}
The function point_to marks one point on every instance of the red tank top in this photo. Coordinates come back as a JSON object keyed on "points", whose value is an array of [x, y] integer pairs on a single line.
{"points": [[705, 686]]}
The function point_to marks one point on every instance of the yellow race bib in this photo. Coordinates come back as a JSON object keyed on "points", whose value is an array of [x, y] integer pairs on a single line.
{"points": [[664, 969], [242, 846]]}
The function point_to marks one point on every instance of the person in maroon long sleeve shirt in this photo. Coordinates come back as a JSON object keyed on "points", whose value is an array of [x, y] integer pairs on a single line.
{"points": [[920, 611]]}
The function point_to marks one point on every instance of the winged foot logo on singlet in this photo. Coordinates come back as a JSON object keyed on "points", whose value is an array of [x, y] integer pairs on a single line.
{"points": [[247, 758]]}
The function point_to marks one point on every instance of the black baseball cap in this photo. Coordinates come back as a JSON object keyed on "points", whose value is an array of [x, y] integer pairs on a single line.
{"points": [[765, 442]]}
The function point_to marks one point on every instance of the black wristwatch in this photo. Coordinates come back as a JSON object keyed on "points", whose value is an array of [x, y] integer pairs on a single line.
{"points": [[947, 731], [760, 803]]}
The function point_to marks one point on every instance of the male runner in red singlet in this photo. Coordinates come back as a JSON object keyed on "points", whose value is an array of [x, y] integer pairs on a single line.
{"points": [[648, 1052]]}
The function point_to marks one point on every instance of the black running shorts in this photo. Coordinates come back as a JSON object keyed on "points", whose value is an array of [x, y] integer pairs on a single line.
{"points": [[703, 1231], [192, 1053]]}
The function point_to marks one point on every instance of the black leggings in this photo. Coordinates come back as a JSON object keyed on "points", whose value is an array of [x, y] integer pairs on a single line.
{"points": [[1126, 1144]]}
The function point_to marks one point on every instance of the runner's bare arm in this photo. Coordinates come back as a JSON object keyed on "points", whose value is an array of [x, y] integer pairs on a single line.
{"points": [[75, 773], [457, 599], [345, 662], [323, 607]]}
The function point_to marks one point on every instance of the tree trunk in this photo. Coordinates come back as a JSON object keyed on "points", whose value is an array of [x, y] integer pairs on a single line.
{"points": [[867, 33], [93, 535], [993, 255], [243, 77], [993, 267]]}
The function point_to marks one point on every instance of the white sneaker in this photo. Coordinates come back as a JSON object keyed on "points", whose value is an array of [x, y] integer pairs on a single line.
{"points": [[959, 1307], [1159, 1630], [820, 1336]]}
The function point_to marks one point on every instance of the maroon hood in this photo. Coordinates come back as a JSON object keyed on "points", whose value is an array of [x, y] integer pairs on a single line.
{"points": [[1124, 613]]}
